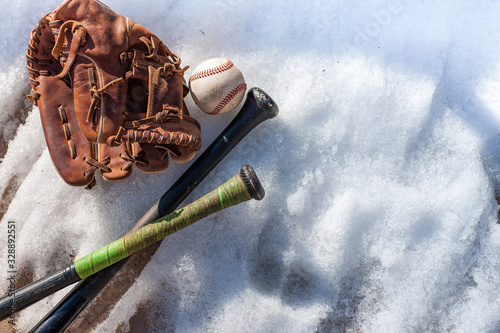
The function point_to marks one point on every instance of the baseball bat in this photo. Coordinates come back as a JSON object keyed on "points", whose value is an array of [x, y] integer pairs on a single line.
{"points": [[240, 188], [257, 108]]}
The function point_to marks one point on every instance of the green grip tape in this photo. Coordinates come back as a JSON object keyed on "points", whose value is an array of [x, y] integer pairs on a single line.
{"points": [[228, 194]]}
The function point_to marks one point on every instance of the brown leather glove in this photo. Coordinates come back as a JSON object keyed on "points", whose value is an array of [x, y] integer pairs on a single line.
{"points": [[110, 94]]}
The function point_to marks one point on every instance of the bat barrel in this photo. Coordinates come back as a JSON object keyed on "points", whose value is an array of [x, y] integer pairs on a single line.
{"points": [[258, 107], [240, 188]]}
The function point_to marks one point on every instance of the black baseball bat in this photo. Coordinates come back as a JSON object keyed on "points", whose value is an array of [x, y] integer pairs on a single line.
{"points": [[257, 108]]}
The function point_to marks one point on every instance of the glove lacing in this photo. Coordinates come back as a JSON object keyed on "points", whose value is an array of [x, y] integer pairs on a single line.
{"points": [[134, 135]]}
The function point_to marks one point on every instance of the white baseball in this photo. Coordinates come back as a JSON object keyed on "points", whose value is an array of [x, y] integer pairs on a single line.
{"points": [[217, 86]]}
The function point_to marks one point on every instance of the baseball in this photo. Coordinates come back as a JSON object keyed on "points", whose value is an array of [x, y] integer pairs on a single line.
{"points": [[217, 86]]}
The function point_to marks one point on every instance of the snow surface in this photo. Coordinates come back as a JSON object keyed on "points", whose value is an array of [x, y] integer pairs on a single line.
{"points": [[381, 172]]}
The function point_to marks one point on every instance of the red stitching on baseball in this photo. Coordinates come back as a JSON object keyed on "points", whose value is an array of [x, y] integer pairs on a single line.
{"points": [[229, 97], [211, 71]]}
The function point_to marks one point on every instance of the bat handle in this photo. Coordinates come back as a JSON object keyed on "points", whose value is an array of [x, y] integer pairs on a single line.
{"points": [[31, 293], [240, 188]]}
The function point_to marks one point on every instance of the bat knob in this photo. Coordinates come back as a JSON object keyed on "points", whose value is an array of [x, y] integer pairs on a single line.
{"points": [[252, 182]]}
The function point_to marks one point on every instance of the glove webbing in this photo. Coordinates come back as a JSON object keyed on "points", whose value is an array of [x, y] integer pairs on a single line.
{"points": [[79, 39]]}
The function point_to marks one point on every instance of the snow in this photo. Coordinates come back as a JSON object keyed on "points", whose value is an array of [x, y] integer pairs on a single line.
{"points": [[380, 171]]}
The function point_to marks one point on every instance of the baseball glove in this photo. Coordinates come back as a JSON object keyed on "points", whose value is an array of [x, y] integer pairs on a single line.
{"points": [[110, 94]]}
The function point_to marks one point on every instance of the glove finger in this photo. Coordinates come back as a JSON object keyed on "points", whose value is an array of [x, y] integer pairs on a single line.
{"points": [[67, 145]]}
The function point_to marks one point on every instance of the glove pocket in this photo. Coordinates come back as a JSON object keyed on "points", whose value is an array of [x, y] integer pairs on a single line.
{"points": [[99, 98]]}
